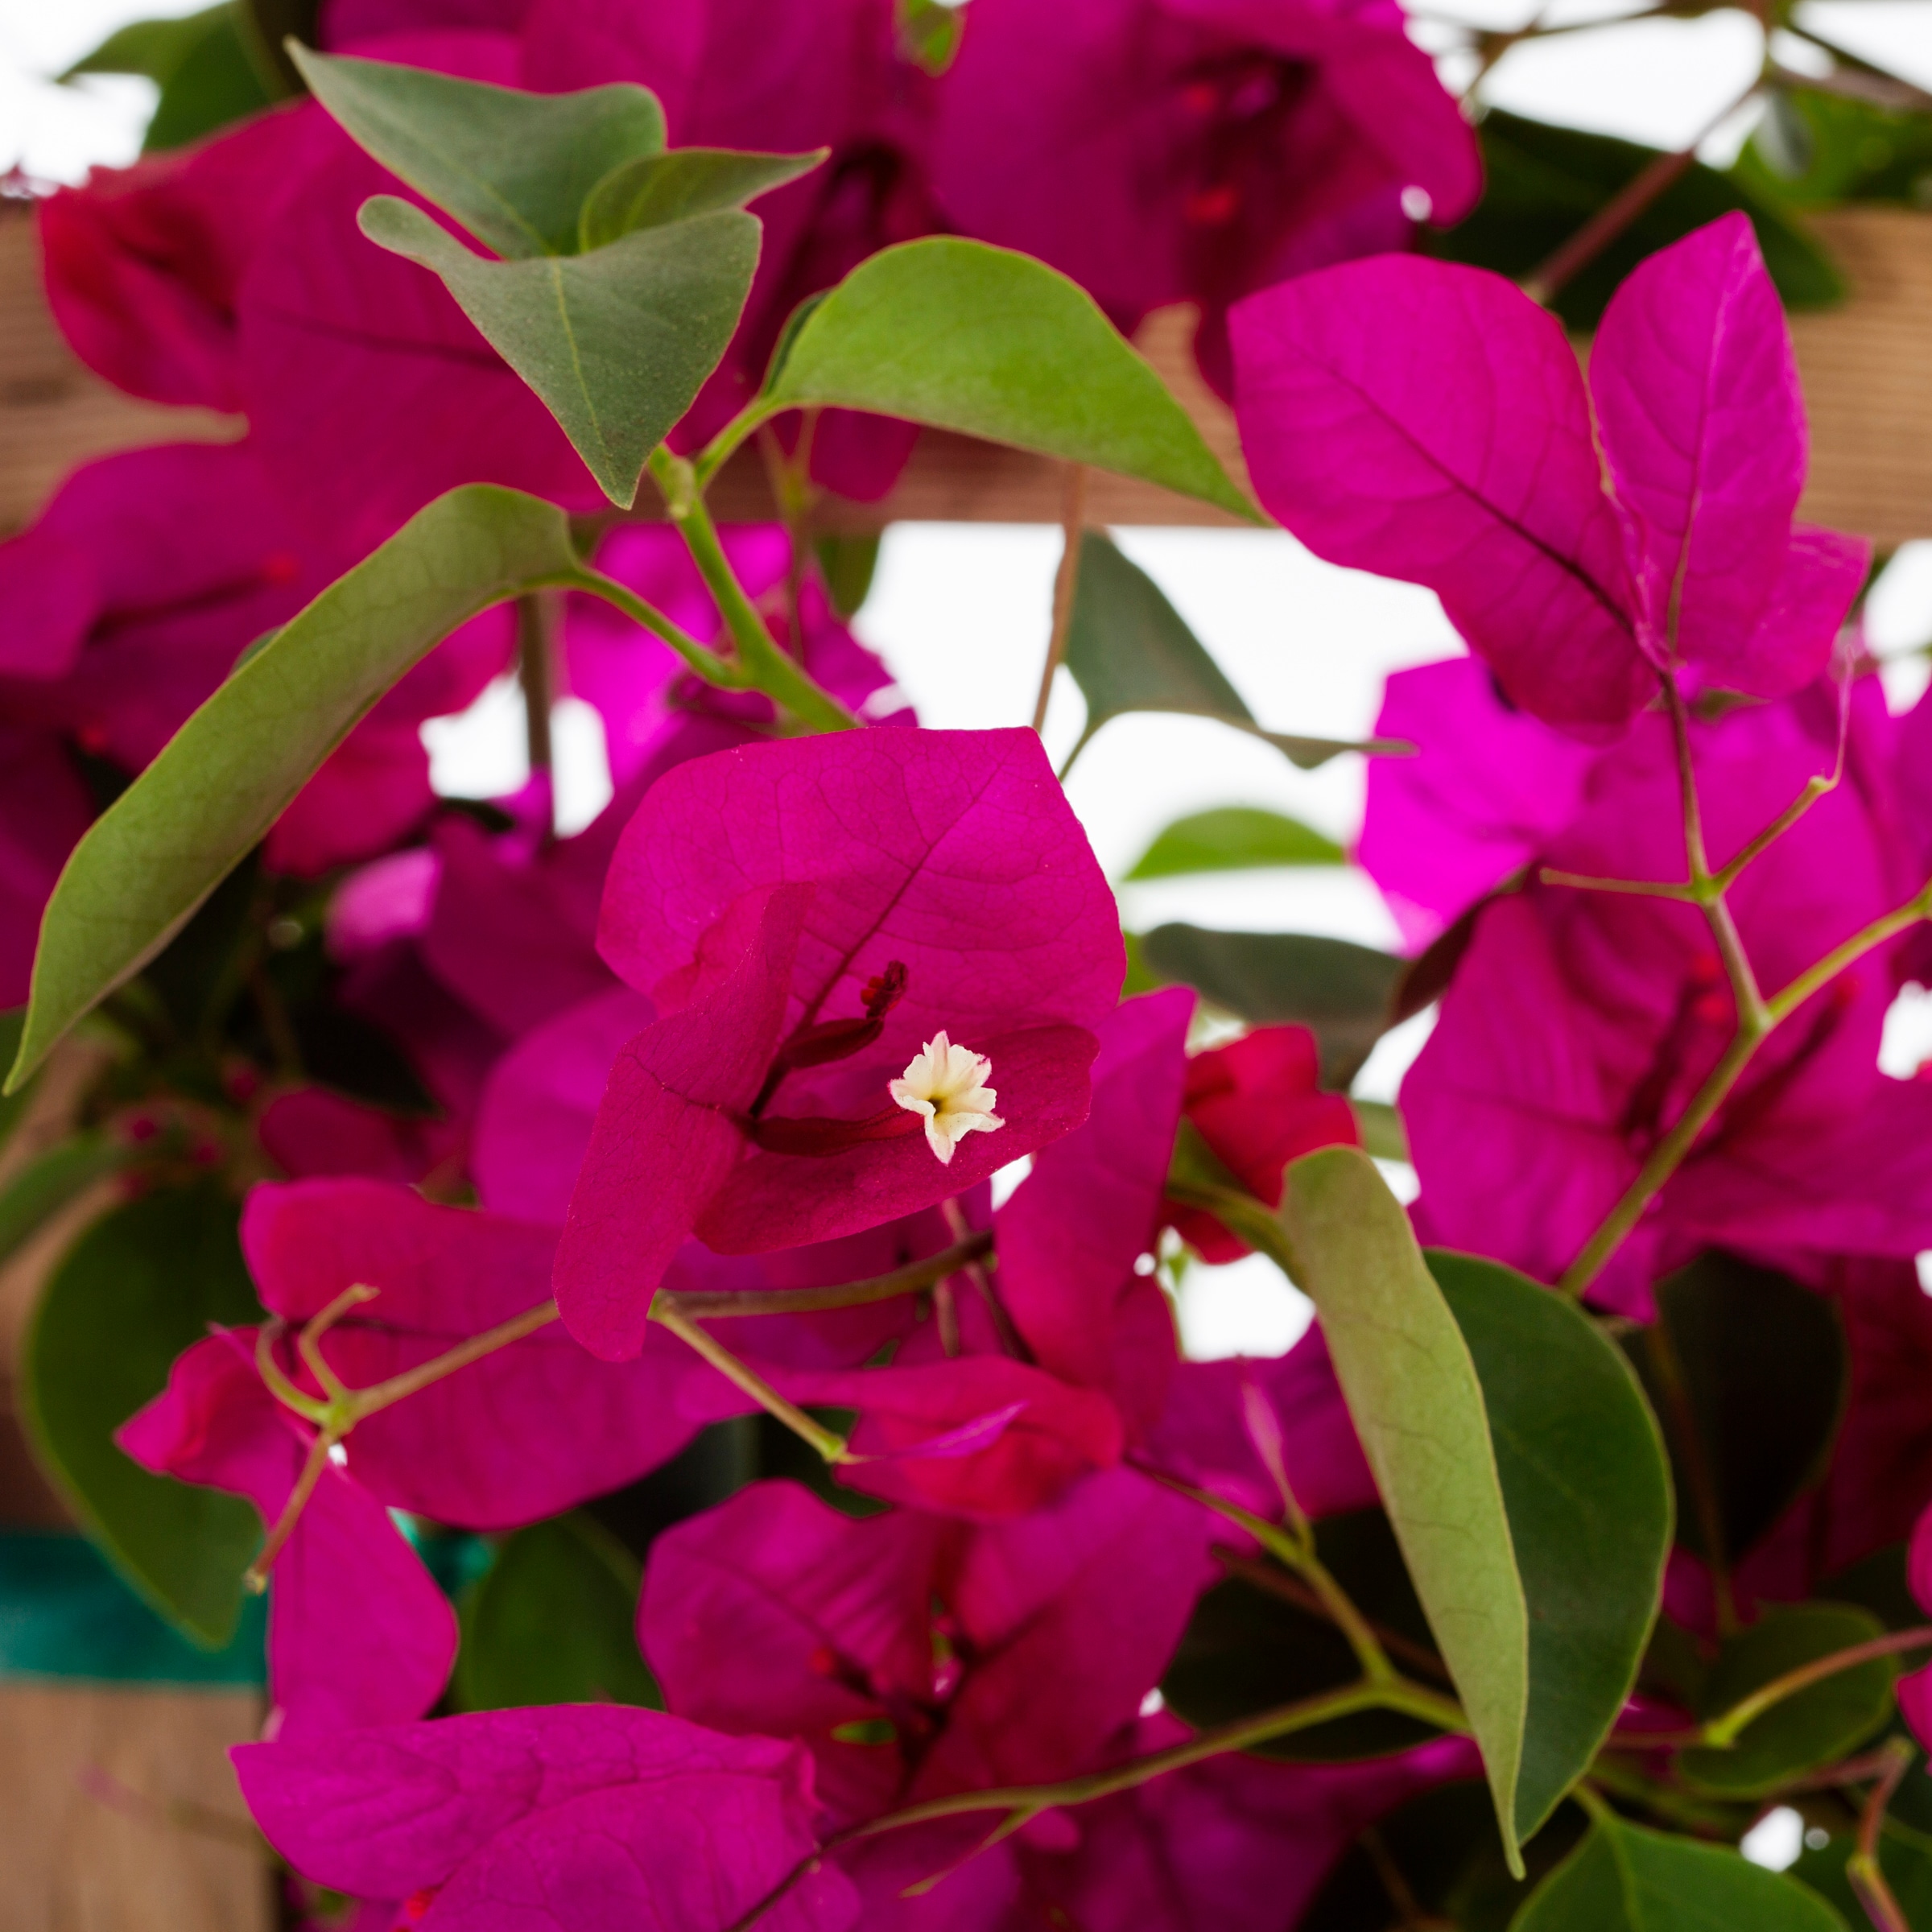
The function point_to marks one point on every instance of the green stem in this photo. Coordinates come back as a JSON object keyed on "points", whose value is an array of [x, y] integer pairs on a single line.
{"points": [[711, 1306], [1862, 1869], [1665, 1158], [1726, 1728], [1065, 581], [760, 660], [1021, 1803], [706, 663], [1410, 1700], [725, 445], [1781, 1005], [832, 1448], [1294, 1552]]}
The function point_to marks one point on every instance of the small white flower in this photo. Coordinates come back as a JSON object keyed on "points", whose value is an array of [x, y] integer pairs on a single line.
{"points": [[944, 1083]]}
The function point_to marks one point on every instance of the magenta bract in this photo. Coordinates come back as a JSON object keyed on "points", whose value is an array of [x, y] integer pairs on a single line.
{"points": [[482, 1448], [1428, 421], [1171, 151], [934, 881], [1579, 1023], [358, 1633], [561, 1820]]}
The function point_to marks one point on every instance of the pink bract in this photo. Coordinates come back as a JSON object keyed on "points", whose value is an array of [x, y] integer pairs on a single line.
{"points": [[482, 1448], [1579, 1023], [943, 867], [568, 1819], [1427, 421], [359, 1633], [1170, 150]]}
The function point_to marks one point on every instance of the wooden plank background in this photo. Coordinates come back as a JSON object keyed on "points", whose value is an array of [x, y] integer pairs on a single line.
{"points": [[1866, 368]]}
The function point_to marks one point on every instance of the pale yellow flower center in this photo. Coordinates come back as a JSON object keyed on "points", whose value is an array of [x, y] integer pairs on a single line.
{"points": [[947, 1083]]}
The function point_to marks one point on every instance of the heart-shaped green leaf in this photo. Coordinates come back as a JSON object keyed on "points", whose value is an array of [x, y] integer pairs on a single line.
{"points": [[1625, 1878], [1588, 1494], [1412, 1388], [158, 851], [1232, 838], [616, 343], [995, 344], [139, 1287], [657, 188], [514, 168]]}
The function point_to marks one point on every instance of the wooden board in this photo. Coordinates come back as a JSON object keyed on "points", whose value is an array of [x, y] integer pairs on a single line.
{"points": [[119, 1813], [1866, 368]]}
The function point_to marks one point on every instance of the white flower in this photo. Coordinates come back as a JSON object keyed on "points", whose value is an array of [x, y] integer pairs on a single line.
{"points": [[945, 1083]]}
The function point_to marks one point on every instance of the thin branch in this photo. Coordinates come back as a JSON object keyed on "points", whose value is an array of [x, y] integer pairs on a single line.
{"points": [[1815, 788], [255, 1576], [365, 1402], [1647, 888], [1863, 1870], [308, 1341], [1301, 1559], [772, 671], [536, 674], [741, 1375], [1623, 208], [1783, 1004], [710, 1305], [1665, 1159], [1725, 1729], [1066, 581]]}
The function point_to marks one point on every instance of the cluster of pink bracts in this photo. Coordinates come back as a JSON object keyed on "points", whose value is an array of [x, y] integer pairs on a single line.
{"points": [[774, 1022]]}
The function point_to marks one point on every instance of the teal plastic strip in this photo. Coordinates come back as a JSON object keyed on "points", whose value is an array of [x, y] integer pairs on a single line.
{"points": [[65, 1614]]}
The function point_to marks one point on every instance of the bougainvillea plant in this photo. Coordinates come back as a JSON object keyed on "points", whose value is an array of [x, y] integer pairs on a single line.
{"points": [[678, 1317]]}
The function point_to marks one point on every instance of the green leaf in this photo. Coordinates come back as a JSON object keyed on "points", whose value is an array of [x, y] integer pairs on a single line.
{"points": [[551, 1623], [1814, 1728], [1827, 149], [156, 853], [1588, 1496], [49, 1182], [201, 63], [1747, 1372], [1253, 1643], [1412, 1389], [139, 1287], [1342, 992], [216, 85], [1384, 1136], [514, 168], [846, 567], [1541, 184], [153, 48], [1442, 1845], [657, 188], [1625, 1878], [929, 32], [1130, 649], [616, 343], [13, 1023], [995, 344], [1232, 838]]}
